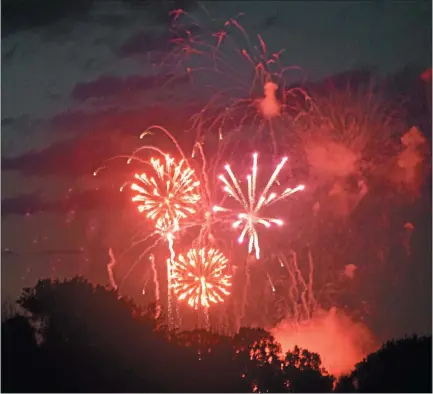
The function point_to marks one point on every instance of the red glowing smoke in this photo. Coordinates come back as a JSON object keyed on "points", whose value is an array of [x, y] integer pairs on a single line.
{"points": [[340, 342]]}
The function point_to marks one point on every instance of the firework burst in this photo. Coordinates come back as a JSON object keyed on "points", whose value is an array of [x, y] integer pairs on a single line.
{"points": [[254, 203], [250, 86], [169, 196], [199, 277]]}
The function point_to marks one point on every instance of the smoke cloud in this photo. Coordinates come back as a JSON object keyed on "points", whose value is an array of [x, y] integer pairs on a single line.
{"points": [[340, 341]]}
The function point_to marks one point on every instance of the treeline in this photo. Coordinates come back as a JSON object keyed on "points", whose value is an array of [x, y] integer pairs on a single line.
{"points": [[76, 337]]}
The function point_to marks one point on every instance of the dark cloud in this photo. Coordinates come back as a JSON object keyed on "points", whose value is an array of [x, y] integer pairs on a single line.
{"points": [[7, 121], [22, 205], [269, 22], [81, 122], [107, 133], [71, 158], [29, 14], [23, 123], [79, 201], [101, 136], [354, 79], [108, 86], [128, 121], [144, 42], [9, 54], [89, 200], [49, 252], [414, 94]]}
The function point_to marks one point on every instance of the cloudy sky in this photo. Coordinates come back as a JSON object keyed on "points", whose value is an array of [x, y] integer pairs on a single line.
{"points": [[81, 79]]}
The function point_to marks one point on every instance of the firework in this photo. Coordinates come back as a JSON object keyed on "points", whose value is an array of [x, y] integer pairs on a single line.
{"points": [[250, 86], [156, 284], [169, 196], [199, 278], [300, 295], [253, 204]]}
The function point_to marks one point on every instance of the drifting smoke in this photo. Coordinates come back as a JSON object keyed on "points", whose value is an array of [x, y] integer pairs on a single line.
{"points": [[340, 342], [409, 170], [349, 270], [329, 159]]}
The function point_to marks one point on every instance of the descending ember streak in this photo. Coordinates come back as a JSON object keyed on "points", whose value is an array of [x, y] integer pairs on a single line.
{"points": [[199, 277], [110, 267], [156, 284], [252, 204], [170, 196]]}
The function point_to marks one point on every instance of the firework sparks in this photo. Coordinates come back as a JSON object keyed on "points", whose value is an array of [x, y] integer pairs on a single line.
{"points": [[258, 93], [170, 196], [167, 198], [199, 277], [110, 267], [300, 293], [156, 284], [252, 205]]}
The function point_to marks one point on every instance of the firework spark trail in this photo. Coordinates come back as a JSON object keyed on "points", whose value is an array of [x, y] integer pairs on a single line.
{"points": [[245, 293], [113, 262], [169, 294], [293, 289], [199, 278], [148, 249], [171, 300], [300, 292], [110, 268], [129, 159], [205, 231], [208, 172], [146, 281], [252, 205], [169, 135], [156, 284], [166, 229], [310, 281], [270, 282]]}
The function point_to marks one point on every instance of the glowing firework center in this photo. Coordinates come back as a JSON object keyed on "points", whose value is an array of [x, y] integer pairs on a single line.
{"points": [[168, 197], [254, 203], [199, 278]]}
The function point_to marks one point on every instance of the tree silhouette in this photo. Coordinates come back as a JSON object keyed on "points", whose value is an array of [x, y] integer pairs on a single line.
{"points": [[212, 352], [345, 385], [92, 339], [19, 351], [8, 310], [77, 337], [259, 358], [304, 373], [399, 366]]}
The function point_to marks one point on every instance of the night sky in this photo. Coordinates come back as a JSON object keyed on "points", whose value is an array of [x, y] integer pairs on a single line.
{"points": [[80, 81]]}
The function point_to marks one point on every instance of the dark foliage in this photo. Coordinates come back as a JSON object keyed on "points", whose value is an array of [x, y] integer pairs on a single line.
{"points": [[400, 366], [77, 337]]}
